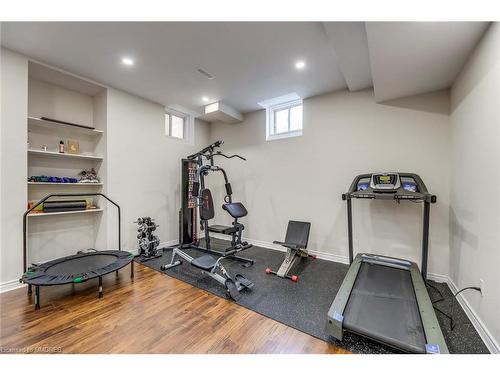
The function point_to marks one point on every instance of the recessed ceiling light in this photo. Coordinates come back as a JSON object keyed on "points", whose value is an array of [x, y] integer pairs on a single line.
{"points": [[300, 64], [127, 61], [205, 99]]}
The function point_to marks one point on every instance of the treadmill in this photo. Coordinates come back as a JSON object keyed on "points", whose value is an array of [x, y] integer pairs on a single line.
{"points": [[383, 298]]}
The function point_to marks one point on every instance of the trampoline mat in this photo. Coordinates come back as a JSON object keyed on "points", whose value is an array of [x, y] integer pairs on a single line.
{"points": [[80, 265], [383, 306], [77, 268]]}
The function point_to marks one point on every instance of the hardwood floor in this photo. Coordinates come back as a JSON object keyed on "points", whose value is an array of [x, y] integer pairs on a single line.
{"points": [[153, 314]]}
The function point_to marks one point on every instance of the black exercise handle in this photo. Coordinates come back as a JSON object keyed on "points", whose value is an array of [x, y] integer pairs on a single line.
{"points": [[218, 153], [209, 148], [25, 237]]}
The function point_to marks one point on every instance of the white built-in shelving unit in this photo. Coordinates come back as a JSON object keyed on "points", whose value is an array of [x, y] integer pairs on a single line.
{"points": [[68, 99]]}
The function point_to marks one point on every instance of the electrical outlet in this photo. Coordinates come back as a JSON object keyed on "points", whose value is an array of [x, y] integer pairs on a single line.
{"points": [[481, 285]]}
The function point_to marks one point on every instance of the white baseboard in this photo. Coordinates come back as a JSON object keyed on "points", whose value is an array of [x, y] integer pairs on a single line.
{"points": [[488, 339], [10, 285]]}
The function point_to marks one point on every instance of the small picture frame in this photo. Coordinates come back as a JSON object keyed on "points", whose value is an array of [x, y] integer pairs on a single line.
{"points": [[73, 147]]}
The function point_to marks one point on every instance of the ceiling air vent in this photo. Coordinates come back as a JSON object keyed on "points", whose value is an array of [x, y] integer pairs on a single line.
{"points": [[205, 73]]}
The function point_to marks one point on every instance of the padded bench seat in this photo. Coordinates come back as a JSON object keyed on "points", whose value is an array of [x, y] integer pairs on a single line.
{"points": [[224, 229]]}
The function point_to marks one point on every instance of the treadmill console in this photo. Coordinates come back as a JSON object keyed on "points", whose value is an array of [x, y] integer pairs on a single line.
{"points": [[385, 182], [389, 185]]}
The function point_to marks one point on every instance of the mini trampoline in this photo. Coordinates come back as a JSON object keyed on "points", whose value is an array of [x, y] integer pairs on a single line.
{"points": [[77, 268]]}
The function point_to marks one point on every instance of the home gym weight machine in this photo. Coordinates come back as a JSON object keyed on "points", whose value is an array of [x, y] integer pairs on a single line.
{"points": [[197, 199]]}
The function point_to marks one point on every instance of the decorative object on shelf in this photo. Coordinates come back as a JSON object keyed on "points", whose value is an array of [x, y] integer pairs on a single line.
{"points": [[53, 179], [37, 209], [64, 205], [44, 148], [148, 242], [61, 147], [37, 123], [73, 147], [88, 177], [67, 123], [55, 206], [90, 204], [38, 179]]}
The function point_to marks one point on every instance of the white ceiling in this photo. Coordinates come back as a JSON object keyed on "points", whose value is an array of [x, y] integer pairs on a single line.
{"points": [[252, 61], [409, 58], [348, 40]]}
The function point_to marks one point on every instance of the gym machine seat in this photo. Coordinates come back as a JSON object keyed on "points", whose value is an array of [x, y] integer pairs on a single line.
{"points": [[205, 262], [236, 210], [296, 238]]}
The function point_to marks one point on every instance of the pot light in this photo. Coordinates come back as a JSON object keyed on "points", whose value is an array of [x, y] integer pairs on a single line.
{"points": [[300, 64], [205, 99], [127, 61]]}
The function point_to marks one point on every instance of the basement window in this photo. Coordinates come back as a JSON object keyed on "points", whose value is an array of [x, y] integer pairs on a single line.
{"points": [[175, 125], [284, 117]]}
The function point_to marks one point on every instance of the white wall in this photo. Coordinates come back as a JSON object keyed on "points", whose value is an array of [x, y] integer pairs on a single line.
{"points": [[52, 101], [345, 134], [475, 178], [144, 165], [14, 109]]}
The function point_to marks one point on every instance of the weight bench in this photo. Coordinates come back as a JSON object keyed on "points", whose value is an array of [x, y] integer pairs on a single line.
{"points": [[296, 238], [212, 267]]}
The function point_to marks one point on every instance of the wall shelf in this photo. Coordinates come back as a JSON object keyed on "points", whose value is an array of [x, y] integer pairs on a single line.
{"points": [[63, 155], [35, 123], [64, 184], [65, 212]]}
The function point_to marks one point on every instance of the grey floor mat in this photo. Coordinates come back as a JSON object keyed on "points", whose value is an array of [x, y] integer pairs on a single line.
{"points": [[304, 305]]}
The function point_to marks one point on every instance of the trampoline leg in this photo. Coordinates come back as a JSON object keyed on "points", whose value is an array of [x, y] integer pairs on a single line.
{"points": [[100, 286], [116, 273], [132, 270], [30, 291], [37, 297]]}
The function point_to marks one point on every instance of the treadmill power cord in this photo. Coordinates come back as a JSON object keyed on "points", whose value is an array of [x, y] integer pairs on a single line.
{"points": [[441, 299]]}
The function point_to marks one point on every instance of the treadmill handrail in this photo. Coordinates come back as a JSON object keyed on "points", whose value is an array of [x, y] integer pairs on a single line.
{"points": [[25, 216]]}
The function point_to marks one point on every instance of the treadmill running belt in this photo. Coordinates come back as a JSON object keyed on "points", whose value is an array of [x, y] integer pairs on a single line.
{"points": [[383, 306]]}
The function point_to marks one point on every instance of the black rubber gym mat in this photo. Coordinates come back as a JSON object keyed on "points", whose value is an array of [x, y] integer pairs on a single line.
{"points": [[304, 305]]}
